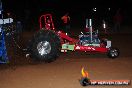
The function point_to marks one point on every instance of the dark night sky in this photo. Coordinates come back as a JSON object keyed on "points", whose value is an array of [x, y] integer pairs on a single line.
{"points": [[77, 8], [64, 4]]}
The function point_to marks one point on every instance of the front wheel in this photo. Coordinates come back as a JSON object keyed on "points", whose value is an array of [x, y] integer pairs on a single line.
{"points": [[113, 53], [46, 46]]}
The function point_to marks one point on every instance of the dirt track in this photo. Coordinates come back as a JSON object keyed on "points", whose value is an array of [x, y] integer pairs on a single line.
{"points": [[65, 72]]}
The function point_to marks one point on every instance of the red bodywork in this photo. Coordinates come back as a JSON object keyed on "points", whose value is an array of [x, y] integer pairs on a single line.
{"points": [[66, 39]]}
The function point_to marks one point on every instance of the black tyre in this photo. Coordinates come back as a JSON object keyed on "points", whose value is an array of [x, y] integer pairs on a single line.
{"points": [[113, 53], [85, 82], [45, 46]]}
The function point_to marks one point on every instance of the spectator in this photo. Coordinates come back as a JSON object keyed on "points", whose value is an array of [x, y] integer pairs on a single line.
{"points": [[66, 23], [117, 21]]}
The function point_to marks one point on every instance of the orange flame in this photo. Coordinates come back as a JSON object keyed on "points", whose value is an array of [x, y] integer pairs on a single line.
{"points": [[84, 73]]}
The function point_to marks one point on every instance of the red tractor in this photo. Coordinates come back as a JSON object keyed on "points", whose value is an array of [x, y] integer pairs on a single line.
{"points": [[47, 43]]}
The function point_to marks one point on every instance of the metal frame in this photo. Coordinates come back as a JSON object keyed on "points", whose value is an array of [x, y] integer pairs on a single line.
{"points": [[67, 41]]}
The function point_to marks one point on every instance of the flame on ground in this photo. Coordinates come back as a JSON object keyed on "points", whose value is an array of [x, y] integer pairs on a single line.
{"points": [[84, 73]]}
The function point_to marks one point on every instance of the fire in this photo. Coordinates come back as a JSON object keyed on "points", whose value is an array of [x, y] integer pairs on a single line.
{"points": [[84, 73]]}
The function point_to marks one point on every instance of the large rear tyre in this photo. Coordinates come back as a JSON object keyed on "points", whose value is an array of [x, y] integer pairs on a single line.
{"points": [[113, 53], [45, 46]]}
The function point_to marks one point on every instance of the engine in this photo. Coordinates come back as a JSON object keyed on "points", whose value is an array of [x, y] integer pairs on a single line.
{"points": [[87, 39]]}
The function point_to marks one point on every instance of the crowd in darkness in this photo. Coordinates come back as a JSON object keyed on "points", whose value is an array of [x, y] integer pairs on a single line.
{"points": [[28, 13], [30, 17]]}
